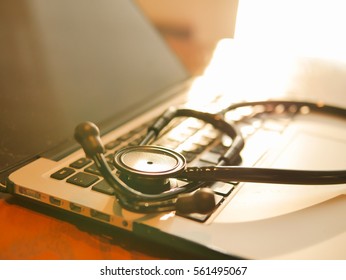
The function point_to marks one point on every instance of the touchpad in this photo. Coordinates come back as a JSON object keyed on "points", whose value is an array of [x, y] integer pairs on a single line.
{"points": [[304, 150]]}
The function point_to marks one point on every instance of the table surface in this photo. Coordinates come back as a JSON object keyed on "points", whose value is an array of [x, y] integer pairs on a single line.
{"points": [[30, 231]]}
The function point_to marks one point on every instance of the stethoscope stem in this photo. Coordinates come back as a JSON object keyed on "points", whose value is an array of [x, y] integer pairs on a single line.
{"points": [[264, 175]]}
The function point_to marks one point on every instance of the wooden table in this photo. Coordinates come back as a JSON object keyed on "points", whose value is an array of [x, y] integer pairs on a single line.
{"points": [[30, 231]]}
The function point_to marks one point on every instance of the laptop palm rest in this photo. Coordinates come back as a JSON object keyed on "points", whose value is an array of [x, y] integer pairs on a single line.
{"points": [[292, 220]]}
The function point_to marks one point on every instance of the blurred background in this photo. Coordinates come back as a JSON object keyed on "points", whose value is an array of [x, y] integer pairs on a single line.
{"points": [[273, 48], [268, 35], [194, 27]]}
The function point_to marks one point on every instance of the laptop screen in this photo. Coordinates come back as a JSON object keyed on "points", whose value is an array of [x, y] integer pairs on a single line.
{"points": [[67, 61]]}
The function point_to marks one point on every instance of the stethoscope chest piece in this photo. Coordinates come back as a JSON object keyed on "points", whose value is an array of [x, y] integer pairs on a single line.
{"points": [[147, 168]]}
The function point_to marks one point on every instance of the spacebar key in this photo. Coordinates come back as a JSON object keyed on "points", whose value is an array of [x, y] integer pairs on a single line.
{"points": [[82, 179]]}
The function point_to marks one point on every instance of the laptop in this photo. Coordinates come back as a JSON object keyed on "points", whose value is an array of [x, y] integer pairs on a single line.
{"points": [[74, 61]]}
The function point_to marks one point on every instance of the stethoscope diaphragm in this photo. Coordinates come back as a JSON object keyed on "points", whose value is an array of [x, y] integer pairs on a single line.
{"points": [[147, 168]]}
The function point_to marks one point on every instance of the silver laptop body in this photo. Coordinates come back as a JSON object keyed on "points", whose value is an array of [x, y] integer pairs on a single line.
{"points": [[103, 62]]}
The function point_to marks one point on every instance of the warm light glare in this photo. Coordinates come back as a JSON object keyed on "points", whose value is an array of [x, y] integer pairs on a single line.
{"points": [[314, 28], [281, 49], [239, 72]]}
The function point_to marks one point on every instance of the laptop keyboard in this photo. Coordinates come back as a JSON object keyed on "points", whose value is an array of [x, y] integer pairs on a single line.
{"points": [[200, 143]]}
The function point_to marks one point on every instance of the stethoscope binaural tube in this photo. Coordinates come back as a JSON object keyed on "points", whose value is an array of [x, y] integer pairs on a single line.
{"points": [[180, 198]]}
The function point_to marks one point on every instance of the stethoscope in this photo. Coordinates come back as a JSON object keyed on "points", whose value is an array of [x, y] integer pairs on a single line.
{"points": [[157, 179]]}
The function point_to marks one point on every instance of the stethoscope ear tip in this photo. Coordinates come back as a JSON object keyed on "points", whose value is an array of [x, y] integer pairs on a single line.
{"points": [[87, 134], [201, 201]]}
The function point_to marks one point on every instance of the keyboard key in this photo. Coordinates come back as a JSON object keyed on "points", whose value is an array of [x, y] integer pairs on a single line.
{"points": [[201, 140], [246, 129], [93, 169], [136, 141], [112, 144], [203, 217], [62, 173], [189, 156], [179, 136], [103, 187], [110, 158], [171, 144], [192, 148], [222, 188], [254, 121], [194, 123], [274, 125], [210, 157], [219, 149], [80, 163], [210, 132], [82, 179], [126, 136]]}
